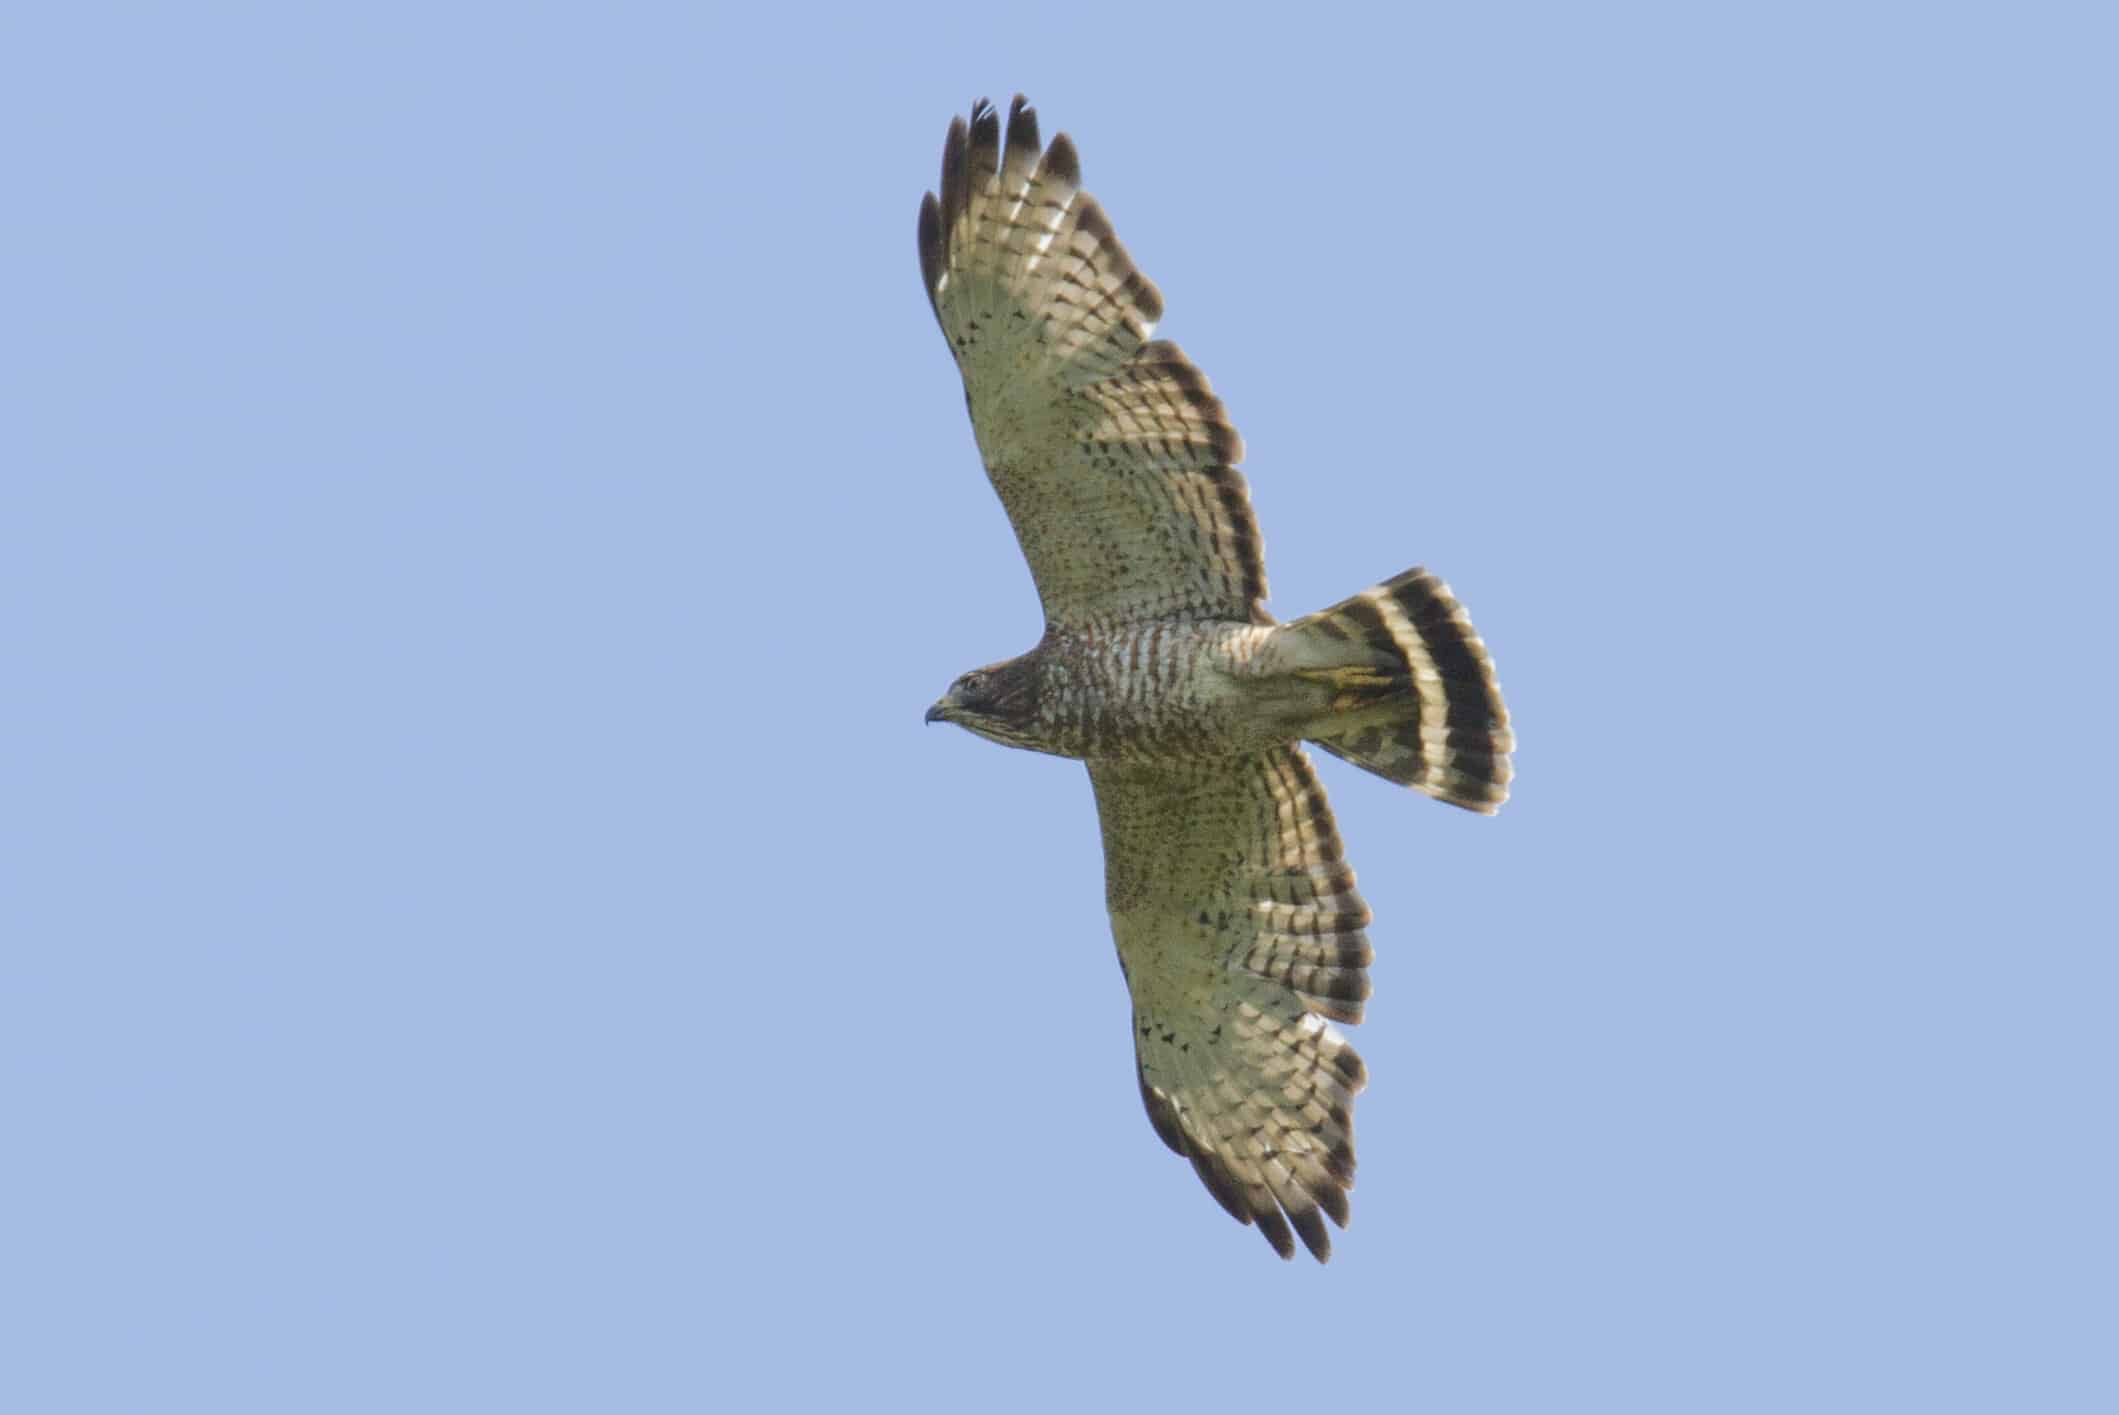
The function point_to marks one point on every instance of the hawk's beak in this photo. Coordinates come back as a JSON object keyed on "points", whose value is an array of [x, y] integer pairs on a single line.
{"points": [[939, 712]]}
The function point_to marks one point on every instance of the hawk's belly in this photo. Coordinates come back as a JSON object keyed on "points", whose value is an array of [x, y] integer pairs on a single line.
{"points": [[1164, 691]]}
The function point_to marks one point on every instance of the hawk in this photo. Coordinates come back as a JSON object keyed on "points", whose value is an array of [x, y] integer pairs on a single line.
{"points": [[1239, 929]]}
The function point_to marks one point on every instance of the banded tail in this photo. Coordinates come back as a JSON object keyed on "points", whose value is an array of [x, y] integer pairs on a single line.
{"points": [[1414, 697]]}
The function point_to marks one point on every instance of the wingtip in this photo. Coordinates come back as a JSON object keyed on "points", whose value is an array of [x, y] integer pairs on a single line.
{"points": [[1061, 162], [985, 131], [930, 244], [1309, 1225], [1275, 1228], [955, 190], [1022, 143]]}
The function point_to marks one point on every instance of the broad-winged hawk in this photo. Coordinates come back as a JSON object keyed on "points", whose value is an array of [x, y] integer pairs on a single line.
{"points": [[1239, 928]]}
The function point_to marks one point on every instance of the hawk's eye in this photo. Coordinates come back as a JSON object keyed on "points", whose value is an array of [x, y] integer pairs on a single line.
{"points": [[974, 685]]}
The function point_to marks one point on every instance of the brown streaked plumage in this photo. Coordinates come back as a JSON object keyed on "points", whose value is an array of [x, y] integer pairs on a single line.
{"points": [[1238, 923]]}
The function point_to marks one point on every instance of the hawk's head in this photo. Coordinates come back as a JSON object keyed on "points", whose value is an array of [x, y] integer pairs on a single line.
{"points": [[999, 702]]}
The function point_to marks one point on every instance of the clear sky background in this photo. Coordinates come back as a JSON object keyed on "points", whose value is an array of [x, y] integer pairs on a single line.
{"points": [[483, 507]]}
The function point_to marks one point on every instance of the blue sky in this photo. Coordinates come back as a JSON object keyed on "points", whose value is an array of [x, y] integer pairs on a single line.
{"points": [[483, 507]]}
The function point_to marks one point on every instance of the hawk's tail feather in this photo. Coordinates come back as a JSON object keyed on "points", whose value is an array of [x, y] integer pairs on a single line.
{"points": [[1414, 697], [1011, 218]]}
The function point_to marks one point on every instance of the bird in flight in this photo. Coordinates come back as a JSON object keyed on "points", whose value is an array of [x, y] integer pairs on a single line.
{"points": [[1239, 929]]}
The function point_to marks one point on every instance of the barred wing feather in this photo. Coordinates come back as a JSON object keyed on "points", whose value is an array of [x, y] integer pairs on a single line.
{"points": [[1241, 933], [1113, 457]]}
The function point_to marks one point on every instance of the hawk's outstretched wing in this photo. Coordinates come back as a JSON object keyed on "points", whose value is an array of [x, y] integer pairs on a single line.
{"points": [[1240, 930], [1113, 457]]}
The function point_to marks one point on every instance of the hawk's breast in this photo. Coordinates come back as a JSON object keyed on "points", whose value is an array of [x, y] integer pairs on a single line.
{"points": [[1156, 691]]}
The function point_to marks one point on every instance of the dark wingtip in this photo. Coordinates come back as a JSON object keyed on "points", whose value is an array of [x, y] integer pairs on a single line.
{"points": [[1275, 1228], [985, 139], [1023, 141], [1315, 1236], [956, 192], [1061, 161], [930, 244]]}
